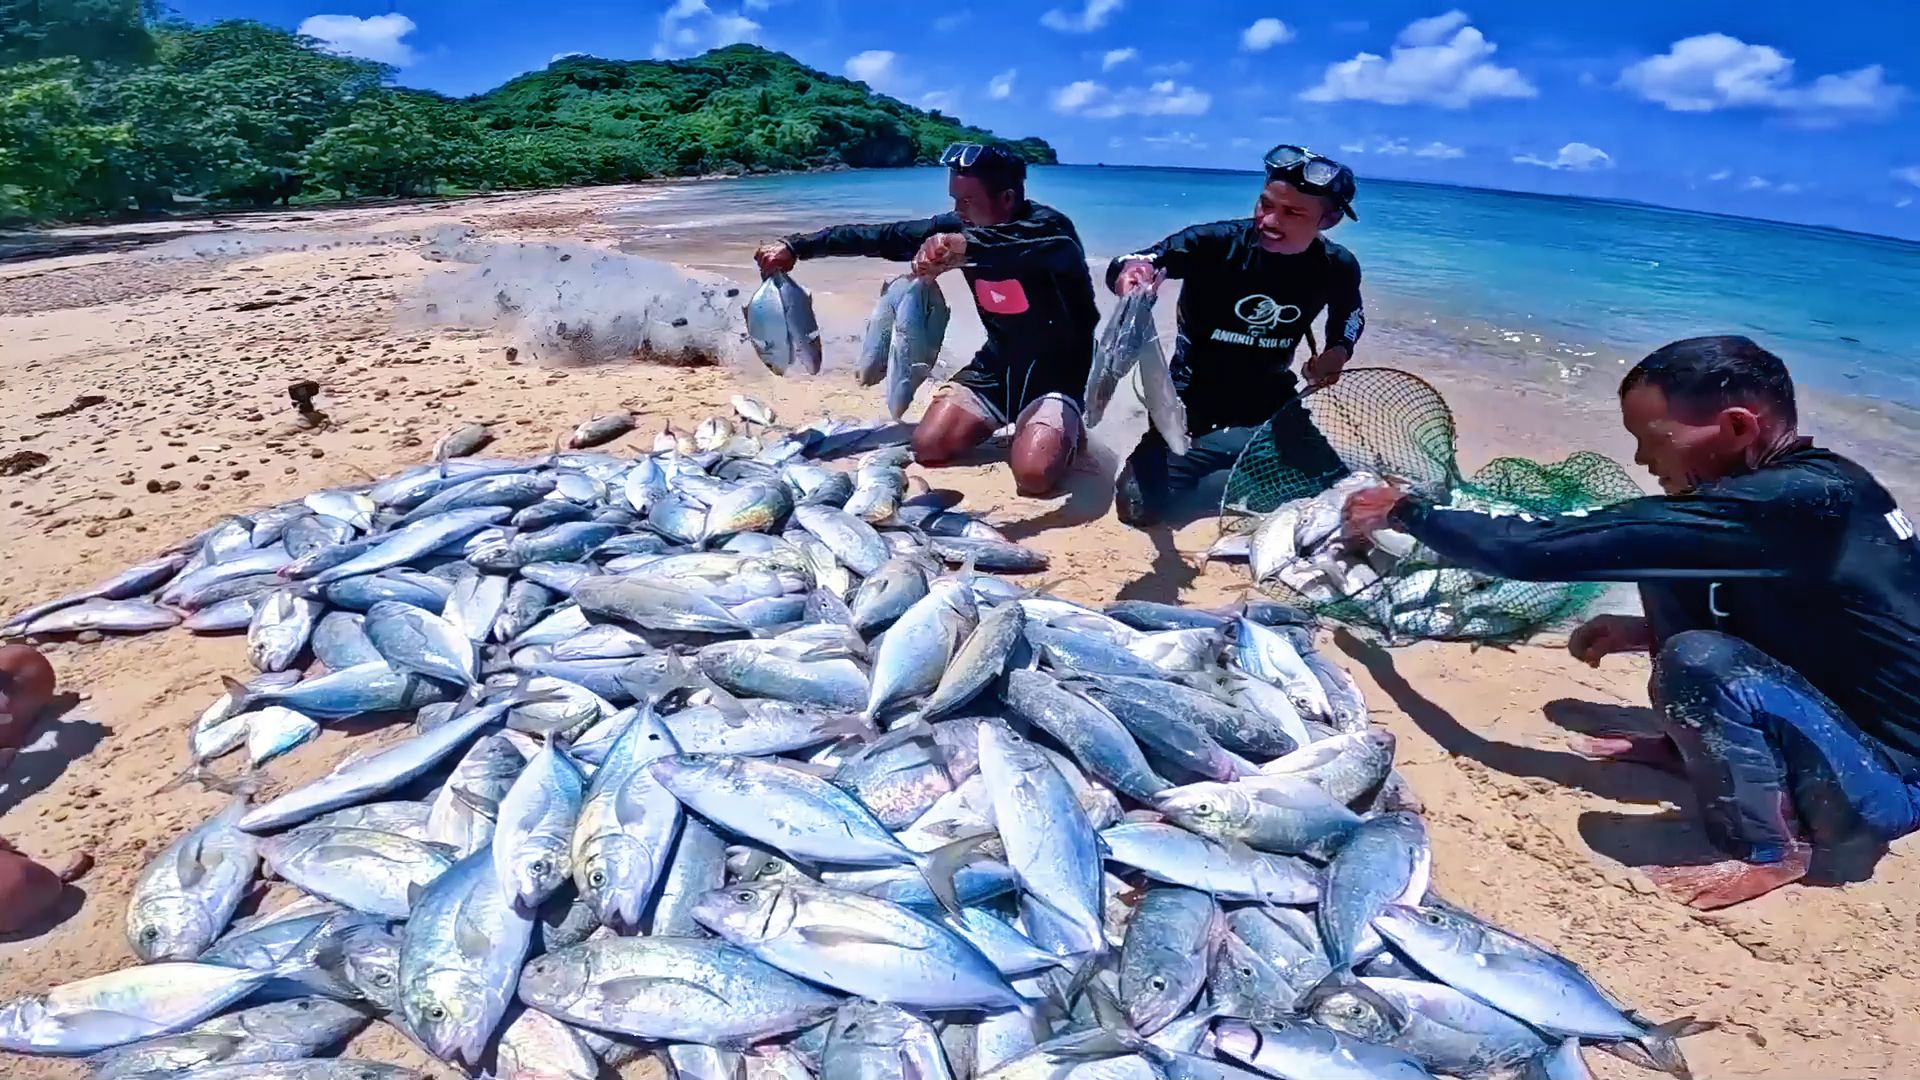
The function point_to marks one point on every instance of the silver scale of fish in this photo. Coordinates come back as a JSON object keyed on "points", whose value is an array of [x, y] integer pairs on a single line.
{"points": [[722, 749]]}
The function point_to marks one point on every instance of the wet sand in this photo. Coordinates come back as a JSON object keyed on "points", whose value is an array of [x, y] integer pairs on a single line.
{"points": [[193, 359]]}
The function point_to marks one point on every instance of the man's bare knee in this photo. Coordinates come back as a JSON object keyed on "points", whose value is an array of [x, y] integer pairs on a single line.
{"points": [[1040, 458]]}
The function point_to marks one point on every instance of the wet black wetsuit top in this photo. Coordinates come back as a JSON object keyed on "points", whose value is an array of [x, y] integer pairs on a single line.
{"points": [[1807, 558], [1030, 283], [1242, 312]]}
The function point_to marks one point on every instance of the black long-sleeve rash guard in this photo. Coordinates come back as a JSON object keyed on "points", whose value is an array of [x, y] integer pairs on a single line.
{"points": [[1808, 558], [1243, 310], [1030, 283]]}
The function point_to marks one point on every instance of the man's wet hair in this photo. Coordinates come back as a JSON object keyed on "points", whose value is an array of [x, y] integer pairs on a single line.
{"points": [[1000, 169], [1704, 375]]}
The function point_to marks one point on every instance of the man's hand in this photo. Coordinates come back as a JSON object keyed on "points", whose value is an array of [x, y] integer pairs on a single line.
{"points": [[1604, 635], [1324, 368], [1370, 511], [1137, 274], [942, 252], [775, 258]]}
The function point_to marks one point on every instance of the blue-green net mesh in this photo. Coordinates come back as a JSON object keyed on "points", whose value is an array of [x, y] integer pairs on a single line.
{"points": [[1396, 425]]}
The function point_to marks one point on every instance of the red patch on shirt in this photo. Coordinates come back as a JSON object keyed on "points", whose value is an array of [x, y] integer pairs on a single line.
{"points": [[1000, 297]]}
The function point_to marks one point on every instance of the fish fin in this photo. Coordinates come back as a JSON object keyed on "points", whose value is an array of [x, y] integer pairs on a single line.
{"points": [[237, 690], [616, 990], [188, 864], [415, 891], [199, 773], [831, 936], [939, 865], [1661, 1043], [472, 940]]}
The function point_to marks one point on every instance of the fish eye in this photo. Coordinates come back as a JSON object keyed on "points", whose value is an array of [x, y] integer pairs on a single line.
{"points": [[744, 896], [597, 879], [1247, 972], [436, 1013], [1157, 983], [1203, 808], [1434, 918], [538, 867], [383, 978], [303, 1005], [150, 934]]}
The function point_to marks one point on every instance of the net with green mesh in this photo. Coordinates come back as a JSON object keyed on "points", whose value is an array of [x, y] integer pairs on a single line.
{"points": [[1395, 425]]}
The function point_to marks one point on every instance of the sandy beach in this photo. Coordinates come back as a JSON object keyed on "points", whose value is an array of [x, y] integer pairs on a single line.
{"points": [[190, 359]]}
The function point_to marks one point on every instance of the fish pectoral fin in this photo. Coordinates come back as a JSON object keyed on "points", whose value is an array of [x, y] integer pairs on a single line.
{"points": [[415, 891], [623, 990], [103, 1024], [190, 864], [828, 937]]}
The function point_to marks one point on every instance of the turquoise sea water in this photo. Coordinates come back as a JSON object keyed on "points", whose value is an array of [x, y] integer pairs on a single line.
{"points": [[1573, 280]]}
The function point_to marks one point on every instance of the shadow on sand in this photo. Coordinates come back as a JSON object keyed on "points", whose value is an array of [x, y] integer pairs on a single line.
{"points": [[57, 743]]}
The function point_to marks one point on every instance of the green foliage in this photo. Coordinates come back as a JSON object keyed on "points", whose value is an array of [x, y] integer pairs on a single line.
{"points": [[134, 113]]}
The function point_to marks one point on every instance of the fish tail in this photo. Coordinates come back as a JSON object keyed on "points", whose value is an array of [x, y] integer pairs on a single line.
{"points": [[1661, 1043], [939, 865], [243, 698], [199, 773]]}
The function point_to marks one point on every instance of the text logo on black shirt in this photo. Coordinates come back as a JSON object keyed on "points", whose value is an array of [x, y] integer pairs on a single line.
{"points": [[1262, 313]]}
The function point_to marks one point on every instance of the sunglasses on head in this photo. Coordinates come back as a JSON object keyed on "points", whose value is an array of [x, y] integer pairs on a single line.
{"points": [[965, 155], [1313, 174]]}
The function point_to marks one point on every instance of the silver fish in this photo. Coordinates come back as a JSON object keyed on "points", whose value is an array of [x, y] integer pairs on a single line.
{"points": [[476, 603], [360, 780], [696, 990], [1128, 334], [1050, 844], [914, 653], [1445, 1029], [340, 641], [275, 730], [362, 869], [187, 894], [460, 954], [117, 616], [978, 661], [852, 541], [1344, 766], [1095, 737], [281, 1031], [860, 945], [919, 327], [464, 441], [1296, 818], [532, 845], [656, 604], [1386, 860], [121, 1007], [428, 533], [363, 688], [1173, 855], [1299, 1050], [627, 823], [600, 430], [466, 810], [871, 1041], [128, 583], [1165, 410], [755, 670], [1163, 961], [535, 1046], [419, 641]]}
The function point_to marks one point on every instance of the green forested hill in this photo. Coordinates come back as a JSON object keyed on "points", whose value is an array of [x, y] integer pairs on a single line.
{"points": [[104, 109]]}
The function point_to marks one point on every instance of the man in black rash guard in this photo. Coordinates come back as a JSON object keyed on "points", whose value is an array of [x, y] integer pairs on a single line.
{"points": [[1028, 273], [1252, 288], [1781, 586]]}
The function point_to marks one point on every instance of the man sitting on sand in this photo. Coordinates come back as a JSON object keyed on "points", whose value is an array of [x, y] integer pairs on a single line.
{"points": [[1253, 288], [1029, 278], [1782, 593]]}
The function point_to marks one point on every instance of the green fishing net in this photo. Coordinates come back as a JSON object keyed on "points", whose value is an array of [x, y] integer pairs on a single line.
{"points": [[1394, 424]]}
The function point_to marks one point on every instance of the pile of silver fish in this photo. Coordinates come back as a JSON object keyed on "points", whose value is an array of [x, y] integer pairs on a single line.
{"points": [[1388, 576], [738, 762], [903, 339], [782, 327]]}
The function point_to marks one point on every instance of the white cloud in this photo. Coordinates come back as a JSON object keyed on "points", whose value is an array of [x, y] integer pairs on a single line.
{"points": [[690, 27], [1116, 143], [1910, 174], [1575, 157], [376, 37], [1163, 98], [1168, 71], [952, 20], [1353, 148], [946, 101], [1720, 176], [1177, 138], [1788, 189], [1264, 34], [1438, 61], [1000, 87], [1241, 142], [559, 56], [1440, 151], [755, 5], [1115, 57], [873, 67], [1718, 71], [1905, 201], [1092, 16], [1756, 183]]}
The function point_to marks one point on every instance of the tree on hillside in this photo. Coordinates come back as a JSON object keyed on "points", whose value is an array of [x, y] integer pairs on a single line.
{"points": [[53, 156], [109, 31]]}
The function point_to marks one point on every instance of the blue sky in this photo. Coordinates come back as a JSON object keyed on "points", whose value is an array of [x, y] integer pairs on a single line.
{"points": [[1781, 111]]}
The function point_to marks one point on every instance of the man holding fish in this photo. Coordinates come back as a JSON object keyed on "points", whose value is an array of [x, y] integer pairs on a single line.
{"points": [[1028, 273], [1253, 288]]}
